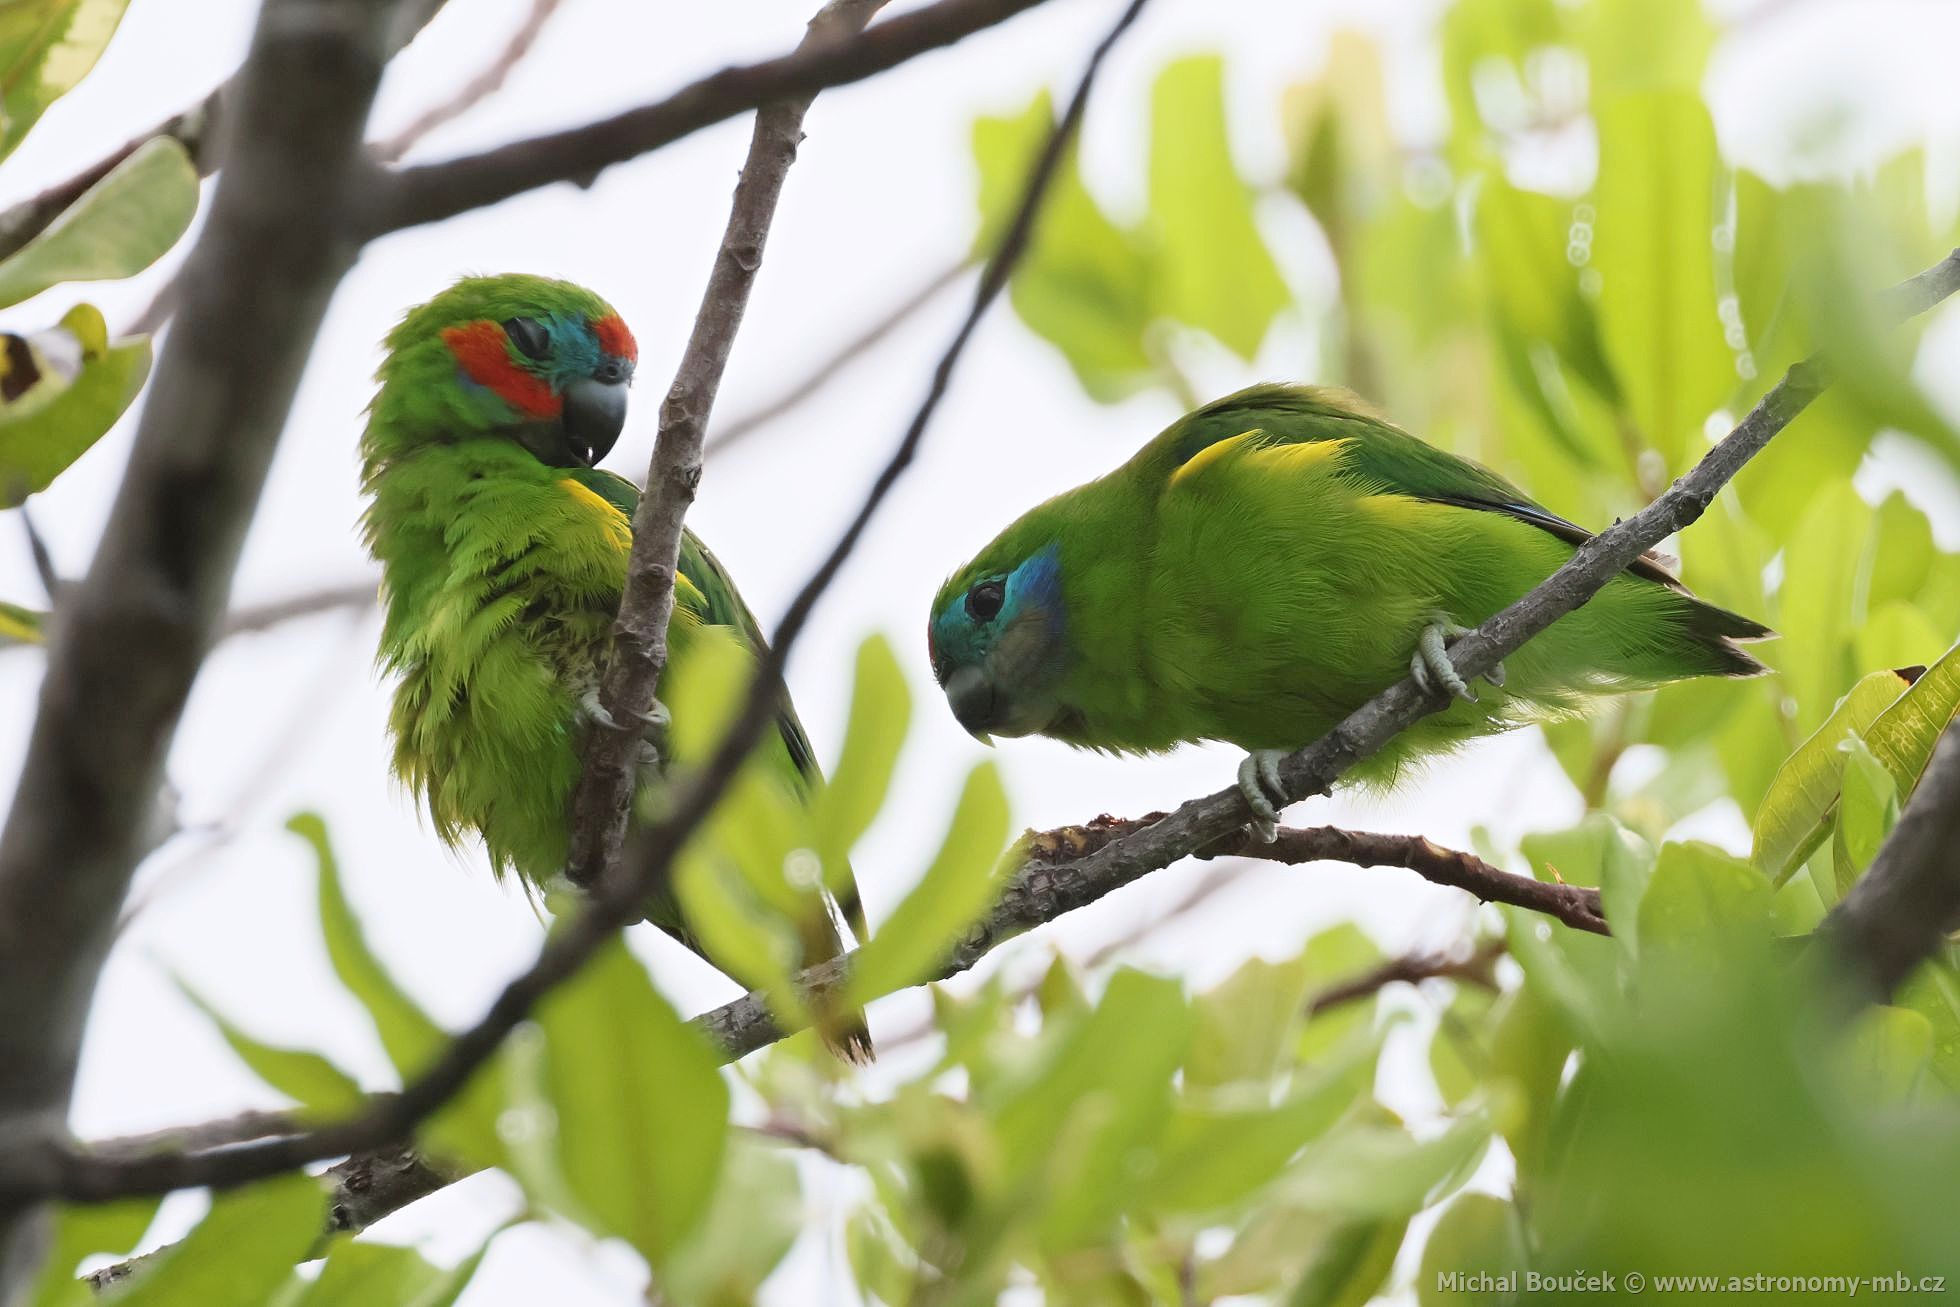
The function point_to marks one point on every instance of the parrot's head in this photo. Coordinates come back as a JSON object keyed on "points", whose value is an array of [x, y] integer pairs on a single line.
{"points": [[998, 638], [543, 363]]}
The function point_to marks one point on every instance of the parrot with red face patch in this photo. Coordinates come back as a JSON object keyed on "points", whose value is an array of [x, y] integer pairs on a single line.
{"points": [[503, 554]]}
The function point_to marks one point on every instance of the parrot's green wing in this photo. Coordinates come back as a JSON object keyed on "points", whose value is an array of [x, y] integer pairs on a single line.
{"points": [[711, 593], [1376, 452]]}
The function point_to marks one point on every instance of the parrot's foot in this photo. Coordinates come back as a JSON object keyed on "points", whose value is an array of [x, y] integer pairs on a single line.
{"points": [[1259, 783], [1431, 664], [655, 721]]}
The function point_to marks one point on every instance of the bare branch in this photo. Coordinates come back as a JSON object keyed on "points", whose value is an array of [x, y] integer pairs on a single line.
{"points": [[409, 197], [1474, 969], [730, 433], [134, 632], [638, 653], [1900, 911], [487, 82], [252, 618], [42, 1164]]}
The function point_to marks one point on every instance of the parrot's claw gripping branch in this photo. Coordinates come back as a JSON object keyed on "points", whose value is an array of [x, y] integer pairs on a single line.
{"points": [[1264, 792], [1431, 667]]}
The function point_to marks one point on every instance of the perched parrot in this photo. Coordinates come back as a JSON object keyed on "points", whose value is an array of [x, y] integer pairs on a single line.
{"points": [[1269, 563], [503, 553]]}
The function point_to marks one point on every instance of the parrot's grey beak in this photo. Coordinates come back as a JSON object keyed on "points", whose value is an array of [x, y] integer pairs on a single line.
{"points": [[971, 697], [595, 413]]}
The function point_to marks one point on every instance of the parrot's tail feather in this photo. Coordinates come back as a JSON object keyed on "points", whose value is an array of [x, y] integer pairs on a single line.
{"points": [[1713, 636]]}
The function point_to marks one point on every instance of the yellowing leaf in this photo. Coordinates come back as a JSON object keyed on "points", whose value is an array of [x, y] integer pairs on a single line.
{"points": [[119, 226], [46, 47]]}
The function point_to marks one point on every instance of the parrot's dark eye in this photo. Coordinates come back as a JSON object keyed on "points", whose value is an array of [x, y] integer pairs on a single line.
{"points": [[529, 335], [983, 601]]}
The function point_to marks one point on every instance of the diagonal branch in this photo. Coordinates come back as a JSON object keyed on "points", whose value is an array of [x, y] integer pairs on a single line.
{"points": [[486, 83], [638, 655], [408, 197], [42, 1164], [135, 631]]}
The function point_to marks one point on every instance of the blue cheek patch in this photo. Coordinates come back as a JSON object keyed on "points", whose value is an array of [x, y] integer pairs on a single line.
{"points": [[1037, 583]]}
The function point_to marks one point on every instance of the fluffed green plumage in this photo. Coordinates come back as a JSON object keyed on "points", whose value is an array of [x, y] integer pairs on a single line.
{"points": [[502, 572], [1265, 566]]}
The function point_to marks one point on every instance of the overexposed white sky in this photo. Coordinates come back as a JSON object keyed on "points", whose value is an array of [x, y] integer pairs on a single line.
{"points": [[881, 197]]}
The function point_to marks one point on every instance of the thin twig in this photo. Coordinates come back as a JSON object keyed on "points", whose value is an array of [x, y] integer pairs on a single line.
{"points": [[42, 1164], [52, 583], [1475, 968], [793, 395], [408, 197], [487, 82], [249, 619], [638, 653]]}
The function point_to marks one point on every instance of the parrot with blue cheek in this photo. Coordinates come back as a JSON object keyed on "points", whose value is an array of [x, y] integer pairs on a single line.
{"points": [[503, 555], [1268, 564]]}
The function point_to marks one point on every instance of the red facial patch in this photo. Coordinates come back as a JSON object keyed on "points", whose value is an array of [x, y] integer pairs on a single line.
{"points": [[615, 339], [484, 356]]}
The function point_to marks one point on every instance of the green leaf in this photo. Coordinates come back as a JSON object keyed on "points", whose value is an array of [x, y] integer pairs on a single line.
{"points": [[637, 1119], [1243, 1023], [1599, 853], [1349, 1265], [1530, 1043], [881, 712], [956, 890], [1214, 1154], [1904, 734], [361, 1274], [411, 1037], [119, 226], [1868, 808], [1479, 1235], [1701, 906], [240, 1253], [1793, 817], [1933, 991], [1820, 601], [21, 625], [1887, 1050], [466, 1128], [306, 1077], [1083, 285], [1336, 954], [86, 1231], [757, 1213], [1375, 1169], [46, 47], [1215, 270], [79, 387], [1654, 253], [1459, 1057]]}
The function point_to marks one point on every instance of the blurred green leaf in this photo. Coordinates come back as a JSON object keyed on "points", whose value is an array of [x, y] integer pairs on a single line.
{"points": [[1702, 907], [637, 1118], [1243, 1023], [1530, 1044], [46, 47], [881, 712], [119, 226], [1645, 45], [1887, 1050], [1868, 808], [1478, 1236], [1819, 601], [1599, 853], [1084, 284], [240, 1253], [21, 625], [1459, 1057], [1377, 1169], [83, 1231], [1654, 252], [363, 1274], [756, 1214], [956, 890], [1792, 819], [1331, 957], [1934, 992], [306, 1077], [1349, 1265], [1215, 271], [78, 386]]}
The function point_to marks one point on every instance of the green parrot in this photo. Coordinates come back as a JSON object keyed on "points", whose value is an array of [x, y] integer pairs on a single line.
{"points": [[1268, 564], [503, 553]]}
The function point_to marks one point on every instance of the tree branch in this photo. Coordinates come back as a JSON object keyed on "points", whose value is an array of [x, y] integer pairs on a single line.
{"points": [[638, 653], [42, 1164], [486, 83], [823, 373], [408, 197], [1899, 912], [134, 632], [1413, 968]]}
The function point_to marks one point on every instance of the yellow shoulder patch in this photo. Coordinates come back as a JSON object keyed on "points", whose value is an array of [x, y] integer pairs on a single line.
{"points": [[1296, 458], [589, 500], [1211, 454], [1289, 458]]}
